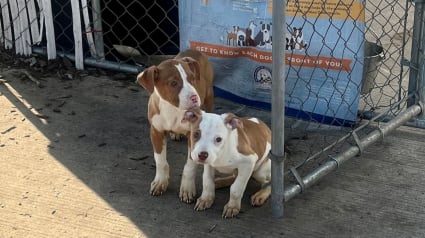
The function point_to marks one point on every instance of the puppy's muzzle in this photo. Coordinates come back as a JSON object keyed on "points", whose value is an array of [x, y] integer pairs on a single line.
{"points": [[202, 156], [194, 99]]}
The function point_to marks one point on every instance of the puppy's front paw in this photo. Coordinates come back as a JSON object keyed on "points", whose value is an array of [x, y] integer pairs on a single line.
{"points": [[175, 137], [203, 203], [230, 211], [158, 187], [187, 192]]}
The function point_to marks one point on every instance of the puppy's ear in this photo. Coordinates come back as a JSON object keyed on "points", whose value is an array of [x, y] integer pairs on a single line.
{"points": [[194, 67], [232, 121], [192, 115], [147, 78]]}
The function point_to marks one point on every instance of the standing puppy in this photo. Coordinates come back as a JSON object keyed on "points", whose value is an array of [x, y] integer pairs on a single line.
{"points": [[227, 143], [175, 86]]}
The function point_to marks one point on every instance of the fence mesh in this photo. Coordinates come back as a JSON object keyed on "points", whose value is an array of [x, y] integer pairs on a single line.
{"points": [[152, 27], [149, 26], [388, 34], [390, 25]]}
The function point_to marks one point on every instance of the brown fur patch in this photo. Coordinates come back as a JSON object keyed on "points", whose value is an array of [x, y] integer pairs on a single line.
{"points": [[158, 139], [253, 137], [153, 108], [204, 86], [147, 77], [194, 117], [169, 82]]}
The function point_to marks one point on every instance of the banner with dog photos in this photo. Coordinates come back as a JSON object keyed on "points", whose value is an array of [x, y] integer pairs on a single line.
{"points": [[324, 56]]}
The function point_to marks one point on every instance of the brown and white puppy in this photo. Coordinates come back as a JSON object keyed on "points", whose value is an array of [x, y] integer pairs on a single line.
{"points": [[228, 143], [176, 85]]}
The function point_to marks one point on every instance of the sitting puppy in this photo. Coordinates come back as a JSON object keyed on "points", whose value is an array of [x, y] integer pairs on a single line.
{"points": [[227, 143], [176, 85]]}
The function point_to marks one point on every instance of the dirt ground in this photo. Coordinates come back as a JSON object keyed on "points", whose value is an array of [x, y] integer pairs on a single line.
{"points": [[76, 161]]}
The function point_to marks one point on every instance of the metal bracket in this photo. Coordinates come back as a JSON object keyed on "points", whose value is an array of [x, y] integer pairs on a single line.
{"points": [[277, 158], [381, 132], [420, 119], [336, 161], [298, 178], [417, 1], [357, 140], [422, 105]]}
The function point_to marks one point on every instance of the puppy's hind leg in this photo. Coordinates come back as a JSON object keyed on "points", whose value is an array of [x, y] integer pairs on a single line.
{"points": [[263, 176], [260, 197], [223, 182]]}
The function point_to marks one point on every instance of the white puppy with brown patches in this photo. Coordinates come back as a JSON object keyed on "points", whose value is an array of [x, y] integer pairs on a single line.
{"points": [[176, 85], [228, 143]]}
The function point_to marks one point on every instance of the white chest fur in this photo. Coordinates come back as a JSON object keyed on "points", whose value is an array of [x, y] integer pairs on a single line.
{"points": [[169, 118], [227, 164]]}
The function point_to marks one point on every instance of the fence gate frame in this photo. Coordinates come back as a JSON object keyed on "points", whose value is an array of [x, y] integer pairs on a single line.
{"points": [[415, 110]]}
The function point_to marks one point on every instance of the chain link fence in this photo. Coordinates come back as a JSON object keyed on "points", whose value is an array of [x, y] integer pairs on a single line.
{"points": [[149, 26], [383, 92], [130, 35]]}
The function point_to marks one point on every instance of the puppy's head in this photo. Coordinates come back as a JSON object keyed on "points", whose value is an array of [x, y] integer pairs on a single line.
{"points": [[297, 32], [265, 27], [211, 134], [174, 80]]}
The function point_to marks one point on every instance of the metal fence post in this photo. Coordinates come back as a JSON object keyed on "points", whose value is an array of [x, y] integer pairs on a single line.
{"points": [[421, 61], [416, 86], [414, 57], [278, 107]]}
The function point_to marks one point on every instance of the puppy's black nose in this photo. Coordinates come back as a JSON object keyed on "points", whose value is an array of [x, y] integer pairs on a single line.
{"points": [[203, 156]]}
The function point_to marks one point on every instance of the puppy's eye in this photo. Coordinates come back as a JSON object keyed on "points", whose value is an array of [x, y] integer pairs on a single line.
{"points": [[196, 135], [173, 83], [218, 139]]}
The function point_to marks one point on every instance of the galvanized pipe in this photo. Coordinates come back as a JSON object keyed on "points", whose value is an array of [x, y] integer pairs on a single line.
{"points": [[421, 62], [417, 38], [277, 153], [402, 60], [105, 64], [336, 161], [368, 115]]}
